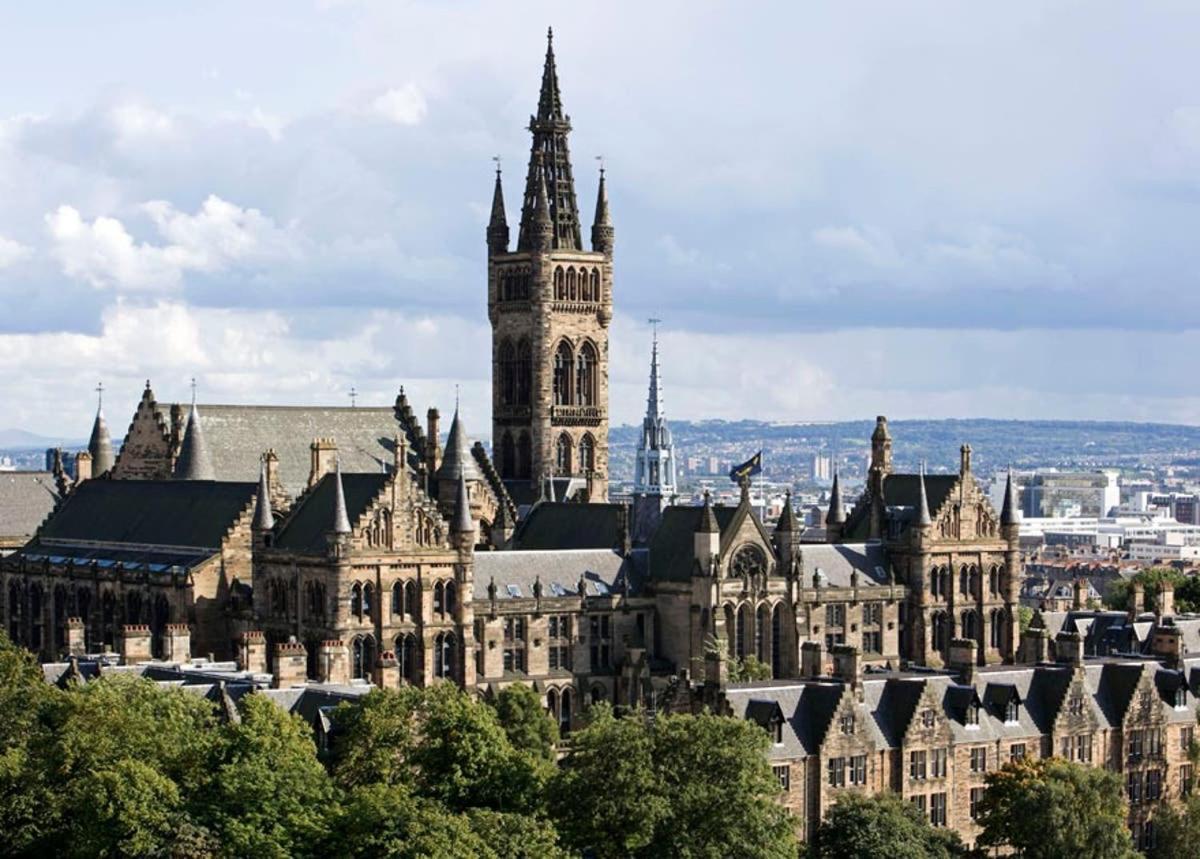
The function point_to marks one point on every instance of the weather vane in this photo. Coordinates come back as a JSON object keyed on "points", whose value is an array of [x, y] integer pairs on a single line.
{"points": [[353, 397], [193, 390], [496, 158], [654, 323], [600, 158], [100, 394]]}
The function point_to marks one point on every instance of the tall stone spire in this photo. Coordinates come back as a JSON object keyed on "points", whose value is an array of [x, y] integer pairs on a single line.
{"points": [[603, 235], [341, 521], [551, 160], [497, 230], [655, 469], [100, 444], [264, 519], [194, 462]]}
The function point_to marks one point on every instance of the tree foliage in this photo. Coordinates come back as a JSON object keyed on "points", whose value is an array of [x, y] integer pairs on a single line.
{"points": [[883, 825], [1047, 807], [750, 668], [526, 722], [1187, 589], [1176, 829]]}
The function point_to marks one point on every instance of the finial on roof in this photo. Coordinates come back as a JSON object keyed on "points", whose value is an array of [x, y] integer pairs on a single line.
{"points": [[923, 517], [264, 519], [193, 390], [100, 396], [787, 517], [708, 519], [194, 462], [341, 521]]}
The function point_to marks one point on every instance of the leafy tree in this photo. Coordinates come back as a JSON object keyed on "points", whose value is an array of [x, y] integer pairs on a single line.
{"points": [[526, 722], [375, 737], [750, 668], [1176, 829], [1024, 617], [1187, 589], [270, 795], [882, 825], [516, 836], [1047, 807], [722, 793], [125, 809], [386, 820], [607, 796]]}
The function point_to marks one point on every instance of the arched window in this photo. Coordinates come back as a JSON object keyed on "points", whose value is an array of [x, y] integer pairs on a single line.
{"points": [[406, 656], [368, 601], [587, 454], [524, 456], [439, 599], [994, 580], [133, 605], [560, 287], [597, 694], [968, 625], [996, 628], [562, 454], [397, 599], [572, 290], [564, 371], [934, 576], [585, 376], [946, 583], [412, 603], [508, 373], [523, 374], [445, 655], [450, 597], [762, 638], [564, 713], [508, 456], [160, 616], [109, 613], [731, 629], [745, 628], [552, 704], [777, 632], [595, 284], [964, 586], [363, 656], [356, 600], [60, 616], [976, 584]]}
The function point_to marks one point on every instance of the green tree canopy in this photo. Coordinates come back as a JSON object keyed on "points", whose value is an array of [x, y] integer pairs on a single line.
{"points": [[386, 821], [882, 825], [1187, 589], [375, 737], [1177, 829], [526, 722], [1047, 808]]}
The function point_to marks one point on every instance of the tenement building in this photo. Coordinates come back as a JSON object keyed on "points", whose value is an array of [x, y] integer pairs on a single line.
{"points": [[324, 549]]}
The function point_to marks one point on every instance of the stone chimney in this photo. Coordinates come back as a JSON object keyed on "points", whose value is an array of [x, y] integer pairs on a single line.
{"points": [[1034, 646], [271, 461], [387, 672], [177, 642], [847, 664], [333, 662], [963, 658], [291, 664], [83, 466], [1079, 593], [1167, 643], [135, 644], [1068, 648], [76, 636], [1166, 599], [812, 659], [1137, 598], [324, 454], [433, 444], [252, 652]]}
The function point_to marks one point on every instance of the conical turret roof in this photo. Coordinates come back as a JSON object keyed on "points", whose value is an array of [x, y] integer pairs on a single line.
{"points": [[341, 521], [264, 519], [837, 513], [1010, 513], [923, 517], [194, 462], [100, 445], [787, 517], [708, 519], [457, 461]]}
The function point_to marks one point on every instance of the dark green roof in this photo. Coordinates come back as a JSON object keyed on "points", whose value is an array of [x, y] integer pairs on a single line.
{"points": [[672, 550], [156, 512], [901, 490], [563, 525], [306, 527]]}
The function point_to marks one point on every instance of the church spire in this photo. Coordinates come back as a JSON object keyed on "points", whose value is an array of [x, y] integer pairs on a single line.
{"points": [[923, 517], [497, 230], [652, 400], [655, 467], [550, 161]]}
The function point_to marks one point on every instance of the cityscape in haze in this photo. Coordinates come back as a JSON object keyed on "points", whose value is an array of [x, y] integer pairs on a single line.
{"points": [[478, 430]]}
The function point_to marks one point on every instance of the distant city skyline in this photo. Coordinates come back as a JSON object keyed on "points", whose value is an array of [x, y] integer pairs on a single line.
{"points": [[910, 209]]}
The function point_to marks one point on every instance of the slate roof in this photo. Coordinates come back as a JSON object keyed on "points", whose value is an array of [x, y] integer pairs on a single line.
{"points": [[837, 561], [561, 525], [26, 499], [559, 570], [903, 493], [308, 524], [158, 512], [236, 437], [672, 549]]}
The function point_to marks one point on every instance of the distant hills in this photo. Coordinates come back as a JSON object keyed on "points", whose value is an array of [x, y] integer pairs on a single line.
{"points": [[20, 440]]}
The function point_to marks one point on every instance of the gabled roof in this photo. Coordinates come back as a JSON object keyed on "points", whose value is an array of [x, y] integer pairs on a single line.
{"points": [[26, 499], [559, 572], [672, 549], [236, 437], [563, 525], [313, 517], [155, 512], [902, 491], [838, 561]]}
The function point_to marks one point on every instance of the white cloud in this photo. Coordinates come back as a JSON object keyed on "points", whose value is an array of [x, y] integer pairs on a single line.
{"points": [[12, 252], [402, 105], [220, 234], [869, 244], [133, 122]]}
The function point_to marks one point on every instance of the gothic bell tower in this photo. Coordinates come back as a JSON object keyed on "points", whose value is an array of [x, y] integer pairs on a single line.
{"points": [[550, 305]]}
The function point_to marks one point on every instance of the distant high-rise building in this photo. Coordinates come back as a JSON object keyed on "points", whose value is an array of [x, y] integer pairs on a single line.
{"points": [[822, 467], [1070, 493]]}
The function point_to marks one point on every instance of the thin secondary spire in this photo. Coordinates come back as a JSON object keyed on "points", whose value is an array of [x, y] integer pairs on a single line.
{"points": [[341, 521], [923, 517]]}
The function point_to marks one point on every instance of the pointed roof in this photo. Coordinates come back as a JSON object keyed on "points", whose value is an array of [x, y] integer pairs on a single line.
{"points": [[458, 461], [837, 512], [462, 522], [498, 219], [923, 517], [654, 397], [603, 218], [708, 519], [194, 462], [341, 521], [264, 519], [1010, 513], [881, 432], [100, 444], [550, 128], [787, 517]]}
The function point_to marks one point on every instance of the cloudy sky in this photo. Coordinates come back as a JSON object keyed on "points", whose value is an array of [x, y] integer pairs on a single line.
{"points": [[923, 209]]}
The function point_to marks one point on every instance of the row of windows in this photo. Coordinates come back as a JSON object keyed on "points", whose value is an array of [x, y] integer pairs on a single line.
{"points": [[970, 582], [572, 285], [1144, 786], [852, 770], [931, 764], [835, 614], [575, 375], [27, 604], [564, 454], [406, 600], [764, 639], [968, 628], [934, 804]]}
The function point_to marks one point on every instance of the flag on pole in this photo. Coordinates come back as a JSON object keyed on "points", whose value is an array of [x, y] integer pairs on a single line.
{"points": [[749, 468]]}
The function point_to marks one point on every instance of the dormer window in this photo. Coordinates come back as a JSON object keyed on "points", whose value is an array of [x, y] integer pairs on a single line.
{"points": [[1012, 712], [973, 715], [777, 731]]}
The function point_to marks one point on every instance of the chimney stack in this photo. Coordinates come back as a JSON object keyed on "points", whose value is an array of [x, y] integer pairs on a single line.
{"points": [[963, 658], [177, 642], [135, 644], [333, 663], [812, 659], [252, 652], [291, 664], [76, 636], [1068, 648]]}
